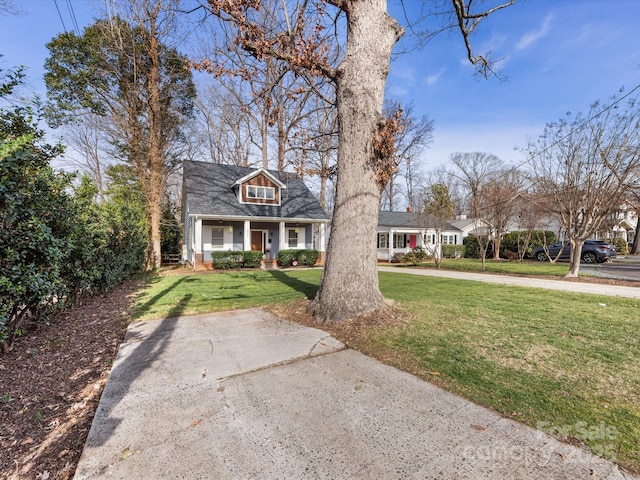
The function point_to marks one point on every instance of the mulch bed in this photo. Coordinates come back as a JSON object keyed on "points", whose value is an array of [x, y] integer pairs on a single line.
{"points": [[51, 381]]}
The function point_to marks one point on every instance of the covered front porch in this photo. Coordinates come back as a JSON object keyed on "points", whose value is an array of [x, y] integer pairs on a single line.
{"points": [[206, 234], [402, 240]]}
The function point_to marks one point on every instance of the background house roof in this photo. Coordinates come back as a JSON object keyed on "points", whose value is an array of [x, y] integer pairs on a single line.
{"points": [[209, 189], [410, 220]]}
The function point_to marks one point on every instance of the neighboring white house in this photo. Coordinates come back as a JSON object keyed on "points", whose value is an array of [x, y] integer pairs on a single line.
{"points": [[399, 232], [622, 224]]}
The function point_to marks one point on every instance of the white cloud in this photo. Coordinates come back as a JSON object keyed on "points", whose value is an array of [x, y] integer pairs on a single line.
{"points": [[531, 37], [396, 91], [405, 73], [434, 77]]}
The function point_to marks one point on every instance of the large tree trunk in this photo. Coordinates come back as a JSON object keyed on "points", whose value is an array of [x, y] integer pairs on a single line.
{"points": [[349, 284], [156, 158], [574, 258]]}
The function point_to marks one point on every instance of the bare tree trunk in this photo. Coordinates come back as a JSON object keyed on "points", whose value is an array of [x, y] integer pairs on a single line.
{"points": [[574, 258], [282, 139], [391, 192], [496, 246], [156, 158], [437, 255], [636, 238], [323, 190], [349, 284], [264, 127]]}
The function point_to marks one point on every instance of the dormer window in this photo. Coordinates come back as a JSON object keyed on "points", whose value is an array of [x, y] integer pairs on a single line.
{"points": [[260, 187], [261, 193]]}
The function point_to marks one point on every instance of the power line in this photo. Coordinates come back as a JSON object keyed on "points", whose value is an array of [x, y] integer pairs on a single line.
{"points": [[60, 15], [514, 168], [564, 137], [72, 13]]}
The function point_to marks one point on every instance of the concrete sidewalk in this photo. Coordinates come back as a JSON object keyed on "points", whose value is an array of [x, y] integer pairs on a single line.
{"points": [[242, 394], [562, 285]]}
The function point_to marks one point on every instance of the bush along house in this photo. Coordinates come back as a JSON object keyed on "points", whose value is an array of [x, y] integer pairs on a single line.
{"points": [[228, 208]]}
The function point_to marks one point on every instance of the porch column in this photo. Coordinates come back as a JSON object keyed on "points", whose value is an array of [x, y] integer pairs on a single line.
{"points": [[197, 243], [247, 235], [322, 256], [197, 237], [391, 233], [323, 230], [281, 234]]}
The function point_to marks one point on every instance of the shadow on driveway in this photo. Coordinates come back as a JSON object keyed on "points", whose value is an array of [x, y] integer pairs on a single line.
{"points": [[131, 362]]}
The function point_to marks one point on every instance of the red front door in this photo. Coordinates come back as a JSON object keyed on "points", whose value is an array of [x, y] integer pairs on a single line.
{"points": [[412, 241]]}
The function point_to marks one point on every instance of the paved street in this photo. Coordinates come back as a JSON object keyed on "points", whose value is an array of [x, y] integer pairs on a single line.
{"points": [[621, 269]]}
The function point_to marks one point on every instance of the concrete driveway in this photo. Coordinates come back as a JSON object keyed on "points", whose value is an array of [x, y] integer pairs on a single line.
{"points": [[242, 395]]}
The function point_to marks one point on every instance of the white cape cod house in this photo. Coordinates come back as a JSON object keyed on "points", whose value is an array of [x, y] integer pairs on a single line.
{"points": [[232, 208], [399, 232]]}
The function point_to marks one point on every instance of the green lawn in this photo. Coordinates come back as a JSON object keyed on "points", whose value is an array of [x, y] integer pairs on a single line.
{"points": [[527, 267], [564, 362], [173, 295]]}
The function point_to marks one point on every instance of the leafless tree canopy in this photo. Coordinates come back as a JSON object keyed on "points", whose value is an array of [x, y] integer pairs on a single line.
{"points": [[584, 165]]}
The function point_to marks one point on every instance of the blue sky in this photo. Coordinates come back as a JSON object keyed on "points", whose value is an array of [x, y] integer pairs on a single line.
{"points": [[558, 55]]}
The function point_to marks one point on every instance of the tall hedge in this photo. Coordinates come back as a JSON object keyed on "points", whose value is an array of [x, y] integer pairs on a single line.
{"points": [[56, 242]]}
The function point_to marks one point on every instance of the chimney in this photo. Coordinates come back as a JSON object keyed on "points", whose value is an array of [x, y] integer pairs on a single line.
{"points": [[410, 209]]}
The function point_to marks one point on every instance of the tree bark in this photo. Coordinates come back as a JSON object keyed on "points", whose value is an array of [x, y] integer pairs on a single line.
{"points": [[574, 258], [349, 285], [156, 157], [636, 239], [496, 246]]}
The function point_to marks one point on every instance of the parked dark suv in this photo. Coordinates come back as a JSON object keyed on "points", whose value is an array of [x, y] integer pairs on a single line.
{"points": [[593, 251]]}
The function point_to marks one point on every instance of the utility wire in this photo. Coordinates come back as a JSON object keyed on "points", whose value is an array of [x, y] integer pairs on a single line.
{"points": [[564, 137], [512, 169], [72, 13], [60, 15]]}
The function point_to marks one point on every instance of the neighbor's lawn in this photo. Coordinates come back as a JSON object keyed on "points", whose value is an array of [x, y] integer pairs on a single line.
{"points": [[534, 355], [526, 267]]}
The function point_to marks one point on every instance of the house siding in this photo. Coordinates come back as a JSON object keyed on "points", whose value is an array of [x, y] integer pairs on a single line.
{"points": [[260, 180]]}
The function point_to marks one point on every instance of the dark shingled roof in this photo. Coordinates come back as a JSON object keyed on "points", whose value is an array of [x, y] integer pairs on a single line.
{"points": [[208, 189], [409, 220]]}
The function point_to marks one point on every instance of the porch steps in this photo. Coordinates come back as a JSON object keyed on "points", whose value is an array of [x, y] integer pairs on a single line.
{"points": [[269, 264]]}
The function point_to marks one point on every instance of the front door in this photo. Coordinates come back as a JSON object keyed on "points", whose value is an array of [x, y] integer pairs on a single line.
{"points": [[412, 241], [257, 240]]}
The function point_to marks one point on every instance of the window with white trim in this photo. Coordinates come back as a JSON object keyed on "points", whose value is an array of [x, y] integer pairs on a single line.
{"points": [[383, 240], [449, 239], [399, 240], [292, 238], [261, 193], [217, 237]]}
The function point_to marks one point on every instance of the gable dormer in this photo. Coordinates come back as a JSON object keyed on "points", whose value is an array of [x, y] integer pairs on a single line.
{"points": [[260, 187]]}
